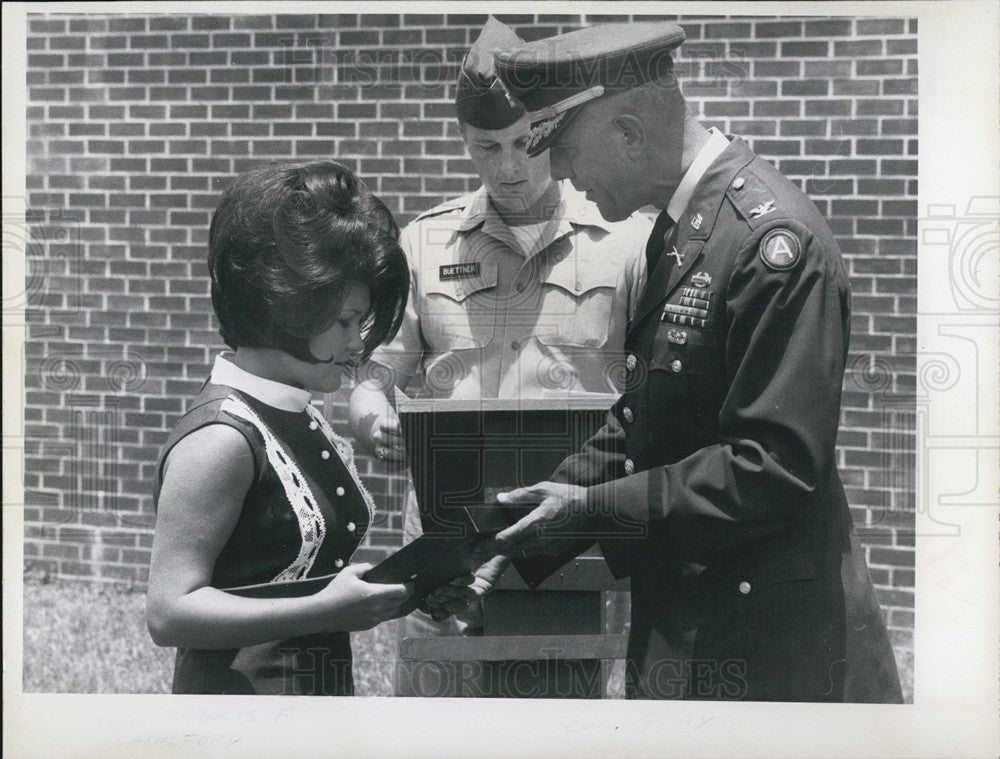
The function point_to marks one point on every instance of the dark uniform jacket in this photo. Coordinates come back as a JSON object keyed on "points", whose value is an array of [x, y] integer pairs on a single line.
{"points": [[719, 459]]}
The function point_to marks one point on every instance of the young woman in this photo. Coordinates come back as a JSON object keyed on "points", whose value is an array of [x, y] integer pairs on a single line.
{"points": [[253, 486]]}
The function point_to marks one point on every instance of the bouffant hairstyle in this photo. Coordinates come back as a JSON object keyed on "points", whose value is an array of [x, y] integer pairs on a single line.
{"points": [[287, 243]]}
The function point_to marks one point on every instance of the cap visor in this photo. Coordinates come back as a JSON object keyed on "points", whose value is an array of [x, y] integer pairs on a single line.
{"points": [[546, 142]]}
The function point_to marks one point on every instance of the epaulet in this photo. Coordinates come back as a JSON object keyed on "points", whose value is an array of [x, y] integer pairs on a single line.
{"points": [[754, 199], [454, 205]]}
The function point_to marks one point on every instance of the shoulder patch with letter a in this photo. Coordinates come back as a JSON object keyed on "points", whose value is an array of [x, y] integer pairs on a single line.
{"points": [[780, 250]]}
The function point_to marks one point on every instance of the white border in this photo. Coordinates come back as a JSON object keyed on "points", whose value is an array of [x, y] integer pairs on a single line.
{"points": [[957, 632]]}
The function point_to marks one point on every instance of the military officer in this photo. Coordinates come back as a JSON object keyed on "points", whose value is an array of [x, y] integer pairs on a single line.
{"points": [[518, 290], [714, 483]]}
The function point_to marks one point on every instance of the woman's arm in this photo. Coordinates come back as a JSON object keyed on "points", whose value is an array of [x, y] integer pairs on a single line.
{"points": [[206, 478]]}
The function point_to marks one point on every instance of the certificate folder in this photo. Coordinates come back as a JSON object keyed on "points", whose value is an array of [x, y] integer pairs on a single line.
{"points": [[462, 453], [427, 562]]}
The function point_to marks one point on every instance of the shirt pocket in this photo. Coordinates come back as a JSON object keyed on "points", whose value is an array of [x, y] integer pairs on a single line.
{"points": [[458, 314], [683, 351], [577, 304]]}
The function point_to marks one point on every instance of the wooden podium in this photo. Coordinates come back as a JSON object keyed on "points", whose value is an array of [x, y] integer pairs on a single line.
{"points": [[544, 624]]}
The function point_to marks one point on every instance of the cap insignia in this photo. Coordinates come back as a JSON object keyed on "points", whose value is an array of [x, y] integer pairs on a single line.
{"points": [[543, 129]]}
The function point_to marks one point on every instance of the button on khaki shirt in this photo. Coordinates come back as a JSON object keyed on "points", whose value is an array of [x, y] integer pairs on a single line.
{"points": [[526, 312]]}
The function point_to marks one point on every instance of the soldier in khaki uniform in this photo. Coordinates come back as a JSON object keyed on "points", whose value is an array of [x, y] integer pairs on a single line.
{"points": [[518, 290], [714, 484]]}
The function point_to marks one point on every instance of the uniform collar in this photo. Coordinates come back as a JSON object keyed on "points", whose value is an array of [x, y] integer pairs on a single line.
{"points": [[476, 211], [694, 225], [711, 150], [574, 208], [698, 219], [276, 394]]}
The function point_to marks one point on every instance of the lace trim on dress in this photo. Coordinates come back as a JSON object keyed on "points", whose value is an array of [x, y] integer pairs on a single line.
{"points": [[312, 526]]}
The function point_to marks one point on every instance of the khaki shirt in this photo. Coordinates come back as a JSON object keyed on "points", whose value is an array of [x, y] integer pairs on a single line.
{"points": [[487, 320]]}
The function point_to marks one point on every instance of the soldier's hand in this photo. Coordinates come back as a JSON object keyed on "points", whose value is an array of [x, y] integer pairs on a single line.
{"points": [[456, 596], [559, 517], [375, 424]]}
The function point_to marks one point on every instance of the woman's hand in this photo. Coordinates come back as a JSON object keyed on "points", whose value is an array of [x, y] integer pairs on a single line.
{"points": [[350, 603]]}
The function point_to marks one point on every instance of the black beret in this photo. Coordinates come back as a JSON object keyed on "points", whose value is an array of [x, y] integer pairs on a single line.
{"points": [[481, 99], [553, 77]]}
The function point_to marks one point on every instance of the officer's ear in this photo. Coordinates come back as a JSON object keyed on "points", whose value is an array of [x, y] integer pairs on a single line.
{"points": [[633, 134]]}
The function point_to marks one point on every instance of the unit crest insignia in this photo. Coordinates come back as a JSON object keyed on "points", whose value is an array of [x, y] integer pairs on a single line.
{"points": [[780, 250]]}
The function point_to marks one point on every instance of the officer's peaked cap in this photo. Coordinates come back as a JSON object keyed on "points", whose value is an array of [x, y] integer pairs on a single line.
{"points": [[553, 77]]}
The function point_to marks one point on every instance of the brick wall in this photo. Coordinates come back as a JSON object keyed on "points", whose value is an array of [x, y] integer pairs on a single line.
{"points": [[136, 122]]}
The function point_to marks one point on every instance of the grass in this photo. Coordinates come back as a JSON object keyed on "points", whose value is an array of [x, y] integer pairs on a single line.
{"points": [[81, 638]]}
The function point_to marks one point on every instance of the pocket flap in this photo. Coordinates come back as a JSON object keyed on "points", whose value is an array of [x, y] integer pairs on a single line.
{"points": [[682, 350], [578, 277]]}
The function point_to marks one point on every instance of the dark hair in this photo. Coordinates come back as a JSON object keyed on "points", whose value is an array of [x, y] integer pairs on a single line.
{"points": [[286, 244]]}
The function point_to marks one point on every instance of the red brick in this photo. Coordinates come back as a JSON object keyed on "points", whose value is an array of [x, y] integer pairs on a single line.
{"points": [[867, 27], [906, 86], [805, 49], [857, 48], [60, 551], [901, 47], [901, 618]]}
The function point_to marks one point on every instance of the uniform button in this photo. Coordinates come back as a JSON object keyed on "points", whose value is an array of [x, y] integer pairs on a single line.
{"points": [[514, 345], [676, 365], [627, 413], [351, 527], [519, 287], [340, 491], [629, 466], [578, 285], [460, 292], [745, 587], [338, 563], [630, 362], [325, 455], [314, 425], [738, 183]]}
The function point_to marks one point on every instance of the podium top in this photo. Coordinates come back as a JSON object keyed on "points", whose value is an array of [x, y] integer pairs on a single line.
{"points": [[577, 402]]}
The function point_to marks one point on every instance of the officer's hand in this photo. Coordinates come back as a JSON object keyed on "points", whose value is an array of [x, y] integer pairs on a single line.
{"points": [[548, 529], [375, 424], [455, 597], [387, 439]]}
